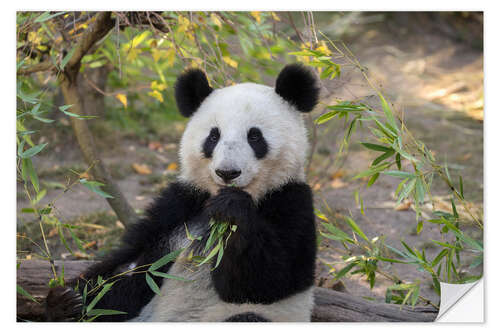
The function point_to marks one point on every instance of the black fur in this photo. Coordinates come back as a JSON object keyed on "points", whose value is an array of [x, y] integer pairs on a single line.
{"points": [[298, 86], [211, 142], [191, 89], [269, 257], [257, 142], [272, 253], [246, 317], [144, 243]]}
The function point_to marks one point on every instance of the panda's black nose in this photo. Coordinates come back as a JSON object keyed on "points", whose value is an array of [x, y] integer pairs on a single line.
{"points": [[227, 175]]}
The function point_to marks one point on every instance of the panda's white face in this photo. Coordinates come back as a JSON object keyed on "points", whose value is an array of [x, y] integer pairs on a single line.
{"points": [[244, 135]]}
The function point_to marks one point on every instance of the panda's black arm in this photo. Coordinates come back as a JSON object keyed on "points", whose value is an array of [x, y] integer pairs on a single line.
{"points": [[143, 243], [272, 253]]}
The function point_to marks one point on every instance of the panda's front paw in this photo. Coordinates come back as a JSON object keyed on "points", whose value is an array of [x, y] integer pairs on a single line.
{"points": [[63, 304], [230, 204]]}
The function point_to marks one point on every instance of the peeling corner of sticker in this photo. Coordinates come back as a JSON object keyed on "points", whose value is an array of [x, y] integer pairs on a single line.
{"points": [[451, 294]]}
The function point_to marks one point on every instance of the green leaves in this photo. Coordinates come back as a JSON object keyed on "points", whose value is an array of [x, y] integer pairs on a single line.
{"points": [[345, 270], [342, 109], [21, 291], [356, 228], [403, 293], [321, 60], [325, 117], [152, 284], [336, 234], [103, 312], [27, 170], [152, 270], [219, 235], [169, 276], [165, 260], [376, 147], [95, 187], [399, 174], [64, 109], [373, 170], [100, 295], [388, 114], [32, 151]]}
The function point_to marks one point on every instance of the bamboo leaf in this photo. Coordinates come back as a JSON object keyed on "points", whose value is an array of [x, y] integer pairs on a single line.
{"points": [[212, 253], [440, 256], [388, 114], [77, 240], [420, 225], [21, 291], [32, 173], [152, 284], [420, 192], [63, 239], [345, 270], [94, 186], [406, 190], [376, 147], [325, 117], [219, 256], [104, 312], [392, 260], [169, 276], [399, 174], [337, 232], [372, 170], [33, 150], [372, 180], [100, 295], [165, 260], [356, 228], [382, 157]]}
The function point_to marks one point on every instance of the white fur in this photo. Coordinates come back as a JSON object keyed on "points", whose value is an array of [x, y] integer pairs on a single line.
{"points": [[234, 110], [198, 300]]}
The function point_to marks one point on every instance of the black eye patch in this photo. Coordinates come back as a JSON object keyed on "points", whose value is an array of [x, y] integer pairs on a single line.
{"points": [[257, 142], [210, 142]]}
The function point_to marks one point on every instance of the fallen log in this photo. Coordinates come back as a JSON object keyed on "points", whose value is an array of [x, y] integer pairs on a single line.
{"points": [[330, 305]]}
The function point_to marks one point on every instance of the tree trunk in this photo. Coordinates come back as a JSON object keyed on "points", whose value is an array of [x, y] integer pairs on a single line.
{"points": [[118, 203], [330, 305], [69, 86]]}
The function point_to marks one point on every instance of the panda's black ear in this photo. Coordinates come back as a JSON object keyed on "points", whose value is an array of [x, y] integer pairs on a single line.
{"points": [[191, 89], [298, 85]]}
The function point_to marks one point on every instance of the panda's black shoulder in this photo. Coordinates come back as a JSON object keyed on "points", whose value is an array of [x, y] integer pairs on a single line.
{"points": [[176, 204], [292, 198]]}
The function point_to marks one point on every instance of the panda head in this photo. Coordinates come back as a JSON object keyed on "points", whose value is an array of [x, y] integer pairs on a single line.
{"points": [[246, 135]]}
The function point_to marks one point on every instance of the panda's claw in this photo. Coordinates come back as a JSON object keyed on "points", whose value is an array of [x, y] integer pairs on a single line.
{"points": [[63, 304]]}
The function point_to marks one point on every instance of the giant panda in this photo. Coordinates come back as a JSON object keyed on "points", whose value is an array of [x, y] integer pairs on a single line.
{"points": [[242, 159]]}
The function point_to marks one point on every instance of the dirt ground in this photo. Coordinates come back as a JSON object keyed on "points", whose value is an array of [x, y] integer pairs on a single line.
{"points": [[435, 80]]}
